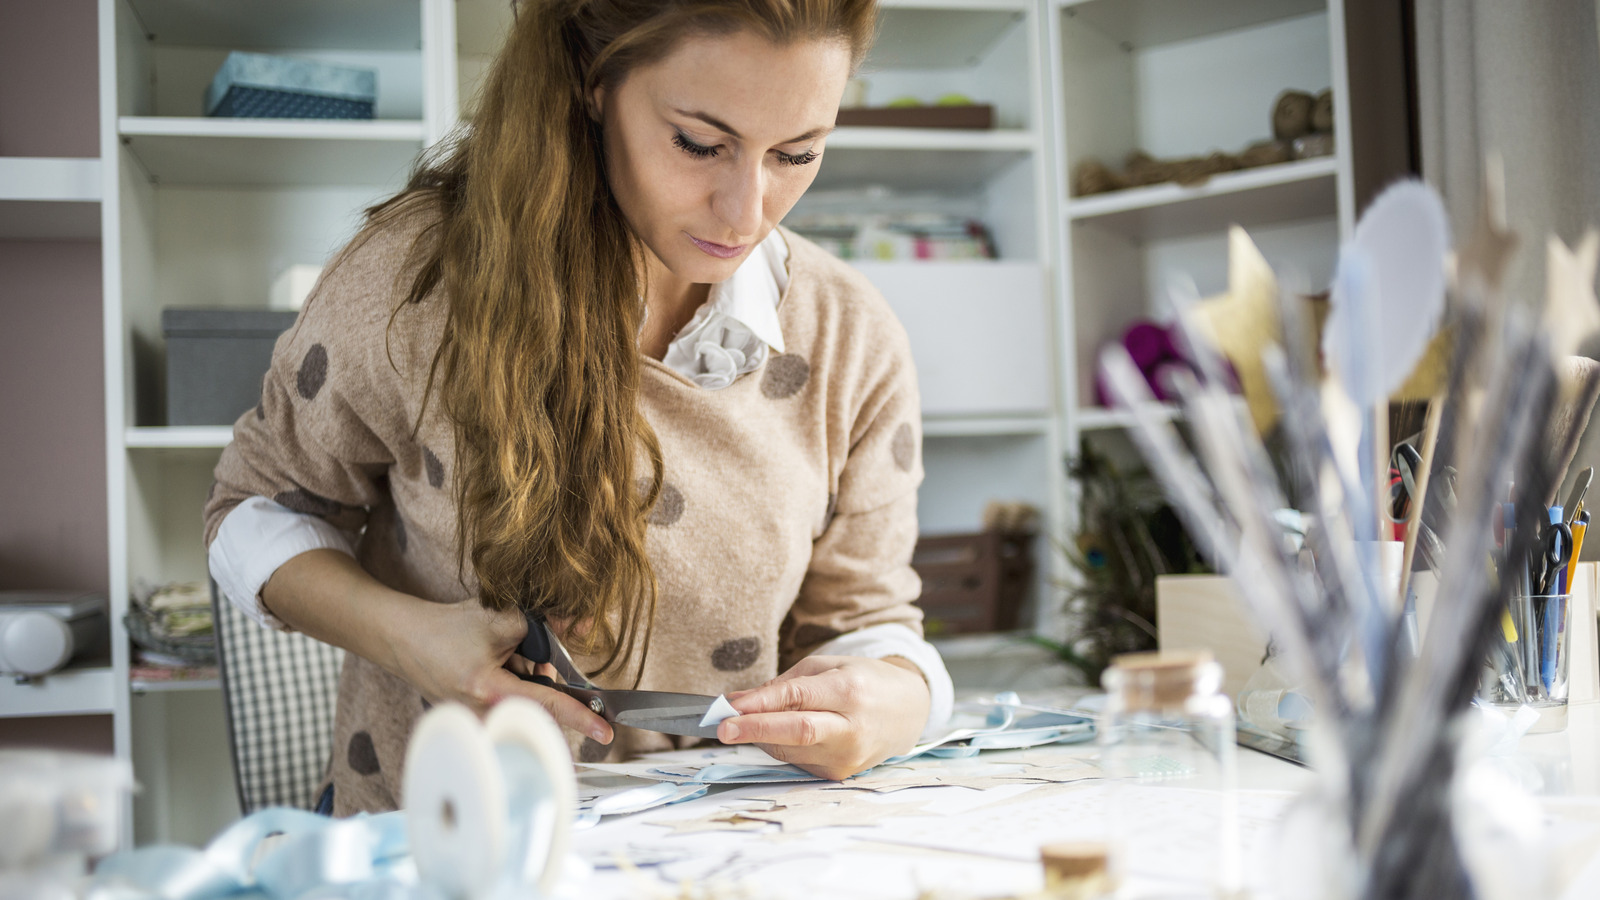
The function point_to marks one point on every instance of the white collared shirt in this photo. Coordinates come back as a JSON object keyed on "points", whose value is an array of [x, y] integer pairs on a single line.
{"points": [[731, 333], [729, 336]]}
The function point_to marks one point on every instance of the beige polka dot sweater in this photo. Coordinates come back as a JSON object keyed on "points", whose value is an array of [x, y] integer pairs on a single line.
{"points": [[788, 514]]}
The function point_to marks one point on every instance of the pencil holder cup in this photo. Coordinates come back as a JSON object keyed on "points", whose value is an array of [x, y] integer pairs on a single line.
{"points": [[1528, 662]]}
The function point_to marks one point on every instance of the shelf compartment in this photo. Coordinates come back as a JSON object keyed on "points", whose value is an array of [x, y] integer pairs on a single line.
{"points": [[930, 34], [955, 312], [1292, 191], [909, 169], [175, 438], [75, 690], [1138, 24], [272, 152], [308, 24]]}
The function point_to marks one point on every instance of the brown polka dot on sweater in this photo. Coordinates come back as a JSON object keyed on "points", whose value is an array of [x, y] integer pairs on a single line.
{"points": [[434, 467], [362, 756], [786, 374], [806, 635], [303, 501], [736, 655], [313, 372], [668, 508], [903, 447], [592, 751]]}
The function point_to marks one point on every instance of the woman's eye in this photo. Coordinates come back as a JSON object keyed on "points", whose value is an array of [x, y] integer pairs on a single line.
{"points": [[798, 159], [699, 151]]}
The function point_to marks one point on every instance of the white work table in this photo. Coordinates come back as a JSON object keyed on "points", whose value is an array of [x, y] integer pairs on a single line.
{"points": [[959, 842]]}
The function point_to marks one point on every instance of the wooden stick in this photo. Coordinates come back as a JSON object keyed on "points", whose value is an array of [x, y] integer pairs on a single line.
{"points": [[1430, 442]]}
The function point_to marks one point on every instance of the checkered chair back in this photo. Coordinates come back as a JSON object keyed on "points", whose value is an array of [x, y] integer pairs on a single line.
{"points": [[279, 689]]}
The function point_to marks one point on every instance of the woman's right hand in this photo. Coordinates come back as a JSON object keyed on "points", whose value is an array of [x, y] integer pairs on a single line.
{"points": [[465, 653], [447, 651]]}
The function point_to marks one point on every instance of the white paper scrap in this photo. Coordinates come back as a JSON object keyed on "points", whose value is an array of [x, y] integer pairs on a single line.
{"points": [[720, 709]]}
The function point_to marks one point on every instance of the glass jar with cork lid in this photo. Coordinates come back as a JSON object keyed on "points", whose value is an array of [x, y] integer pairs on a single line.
{"points": [[1167, 747]]}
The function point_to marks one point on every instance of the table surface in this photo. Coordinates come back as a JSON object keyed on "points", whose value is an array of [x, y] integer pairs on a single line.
{"points": [[950, 841]]}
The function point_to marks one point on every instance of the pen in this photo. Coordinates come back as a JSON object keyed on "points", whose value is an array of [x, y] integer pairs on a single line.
{"points": [[1580, 525]]}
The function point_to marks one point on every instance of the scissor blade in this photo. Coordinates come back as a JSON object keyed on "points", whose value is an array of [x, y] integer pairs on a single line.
{"points": [[663, 711], [1580, 488]]}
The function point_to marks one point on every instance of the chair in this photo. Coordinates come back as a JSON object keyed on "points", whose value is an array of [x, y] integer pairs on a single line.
{"points": [[279, 690]]}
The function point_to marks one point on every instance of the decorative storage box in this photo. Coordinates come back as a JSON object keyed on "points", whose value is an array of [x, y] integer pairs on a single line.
{"points": [[973, 582], [254, 85], [216, 359]]}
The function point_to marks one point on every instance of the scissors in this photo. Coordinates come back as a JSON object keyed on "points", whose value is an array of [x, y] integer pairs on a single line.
{"points": [[1555, 551], [663, 711]]}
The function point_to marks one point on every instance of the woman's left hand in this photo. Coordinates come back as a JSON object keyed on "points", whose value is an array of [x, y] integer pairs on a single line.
{"points": [[833, 716]]}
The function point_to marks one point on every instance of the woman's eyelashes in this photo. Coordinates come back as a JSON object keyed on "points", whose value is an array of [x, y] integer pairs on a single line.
{"points": [[701, 151]]}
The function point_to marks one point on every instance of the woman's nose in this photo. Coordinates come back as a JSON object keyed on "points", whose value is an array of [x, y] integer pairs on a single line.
{"points": [[739, 197]]}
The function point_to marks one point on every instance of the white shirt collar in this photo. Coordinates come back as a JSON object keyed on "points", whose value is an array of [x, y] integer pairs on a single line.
{"points": [[731, 333], [751, 295]]}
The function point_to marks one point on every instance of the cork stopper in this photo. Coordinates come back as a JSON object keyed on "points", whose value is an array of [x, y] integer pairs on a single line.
{"points": [[1162, 678], [1076, 869]]}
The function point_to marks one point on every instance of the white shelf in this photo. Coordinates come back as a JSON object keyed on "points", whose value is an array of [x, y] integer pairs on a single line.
{"points": [[272, 152], [1097, 418], [933, 140], [52, 180], [70, 692], [300, 24], [984, 426], [177, 438], [1137, 24], [139, 686], [49, 199], [1303, 189]]}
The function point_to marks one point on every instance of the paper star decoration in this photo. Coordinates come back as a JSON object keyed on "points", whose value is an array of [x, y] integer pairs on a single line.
{"points": [[1491, 244], [1571, 313], [1242, 322]]}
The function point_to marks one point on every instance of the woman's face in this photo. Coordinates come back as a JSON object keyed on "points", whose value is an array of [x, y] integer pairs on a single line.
{"points": [[707, 149]]}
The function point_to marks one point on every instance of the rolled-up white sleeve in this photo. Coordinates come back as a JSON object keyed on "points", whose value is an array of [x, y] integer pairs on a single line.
{"points": [[257, 537], [894, 639]]}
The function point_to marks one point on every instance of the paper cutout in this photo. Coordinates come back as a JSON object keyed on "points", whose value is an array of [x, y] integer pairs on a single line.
{"points": [[1571, 313], [810, 816], [1490, 246], [1244, 321], [720, 709]]}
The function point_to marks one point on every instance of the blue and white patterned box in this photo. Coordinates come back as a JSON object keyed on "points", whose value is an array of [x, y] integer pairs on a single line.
{"points": [[255, 85]]}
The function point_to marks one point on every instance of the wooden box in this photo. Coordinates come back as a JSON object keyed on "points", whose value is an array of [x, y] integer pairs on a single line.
{"points": [[973, 582], [976, 116]]}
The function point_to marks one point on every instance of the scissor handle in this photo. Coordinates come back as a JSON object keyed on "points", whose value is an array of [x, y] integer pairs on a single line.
{"points": [[535, 645]]}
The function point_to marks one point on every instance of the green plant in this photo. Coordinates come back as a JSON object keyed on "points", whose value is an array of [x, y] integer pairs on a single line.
{"points": [[1128, 535]]}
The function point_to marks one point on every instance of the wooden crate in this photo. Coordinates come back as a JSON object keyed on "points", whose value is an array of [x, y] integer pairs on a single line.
{"points": [[973, 582]]}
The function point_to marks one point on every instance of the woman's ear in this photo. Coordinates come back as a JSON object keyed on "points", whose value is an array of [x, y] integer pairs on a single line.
{"points": [[595, 101]]}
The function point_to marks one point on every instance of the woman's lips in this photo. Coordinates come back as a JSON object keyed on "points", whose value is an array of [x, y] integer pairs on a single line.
{"points": [[720, 251]]}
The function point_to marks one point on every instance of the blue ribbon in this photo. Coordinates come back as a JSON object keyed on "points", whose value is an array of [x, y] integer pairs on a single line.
{"points": [[310, 857]]}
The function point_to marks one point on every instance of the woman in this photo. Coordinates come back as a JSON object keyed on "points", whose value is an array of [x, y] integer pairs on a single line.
{"points": [[712, 490]]}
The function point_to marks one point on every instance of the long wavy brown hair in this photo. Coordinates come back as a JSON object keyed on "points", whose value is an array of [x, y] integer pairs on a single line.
{"points": [[538, 368]]}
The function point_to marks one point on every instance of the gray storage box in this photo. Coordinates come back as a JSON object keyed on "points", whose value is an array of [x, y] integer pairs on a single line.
{"points": [[216, 358], [255, 85]]}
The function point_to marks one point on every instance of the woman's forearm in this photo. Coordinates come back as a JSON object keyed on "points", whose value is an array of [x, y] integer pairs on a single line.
{"points": [[328, 595]]}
